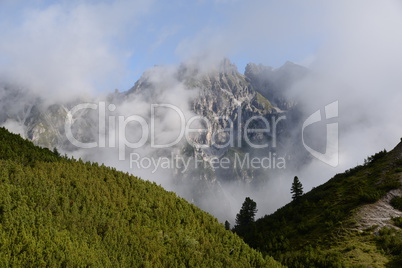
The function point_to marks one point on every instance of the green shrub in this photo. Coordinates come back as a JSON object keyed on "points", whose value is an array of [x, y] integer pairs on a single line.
{"points": [[396, 202], [390, 240], [397, 221], [369, 196], [375, 157]]}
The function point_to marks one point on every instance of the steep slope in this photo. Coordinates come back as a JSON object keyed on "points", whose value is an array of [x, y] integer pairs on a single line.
{"points": [[61, 212], [343, 222]]}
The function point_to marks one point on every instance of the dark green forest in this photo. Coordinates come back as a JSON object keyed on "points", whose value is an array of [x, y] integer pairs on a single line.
{"points": [[319, 228], [61, 212]]}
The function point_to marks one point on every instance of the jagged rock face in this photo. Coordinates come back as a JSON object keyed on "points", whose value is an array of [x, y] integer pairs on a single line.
{"points": [[41, 123], [220, 95], [226, 98]]}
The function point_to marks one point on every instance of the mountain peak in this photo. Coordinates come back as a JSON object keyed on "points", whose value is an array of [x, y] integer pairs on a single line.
{"points": [[226, 66]]}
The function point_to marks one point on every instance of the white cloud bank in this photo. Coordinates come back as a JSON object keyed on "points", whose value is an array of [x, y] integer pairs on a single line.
{"points": [[73, 48], [69, 47]]}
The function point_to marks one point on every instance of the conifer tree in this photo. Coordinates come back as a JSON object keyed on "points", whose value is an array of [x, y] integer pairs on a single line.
{"points": [[245, 220], [245, 217], [247, 212], [227, 225], [297, 188]]}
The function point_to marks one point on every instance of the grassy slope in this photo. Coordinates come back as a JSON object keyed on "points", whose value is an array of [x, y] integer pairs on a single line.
{"points": [[319, 230], [65, 213]]}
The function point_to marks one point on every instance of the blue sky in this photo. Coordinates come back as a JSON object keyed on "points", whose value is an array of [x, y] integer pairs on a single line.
{"points": [[185, 21], [107, 44]]}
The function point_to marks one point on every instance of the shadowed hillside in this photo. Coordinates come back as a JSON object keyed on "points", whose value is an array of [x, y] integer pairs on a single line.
{"points": [[353, 220]]}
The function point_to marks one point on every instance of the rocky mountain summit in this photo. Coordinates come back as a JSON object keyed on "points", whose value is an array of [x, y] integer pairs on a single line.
{"points": [[228, 99], [232, 109]]}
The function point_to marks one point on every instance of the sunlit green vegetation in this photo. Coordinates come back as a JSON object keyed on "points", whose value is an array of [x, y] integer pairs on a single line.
{"points": [[60, 212]]}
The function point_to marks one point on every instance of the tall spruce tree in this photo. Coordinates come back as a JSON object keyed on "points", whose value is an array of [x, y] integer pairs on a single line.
{"points": [[245, 222], [297, 188], [247, 212]]}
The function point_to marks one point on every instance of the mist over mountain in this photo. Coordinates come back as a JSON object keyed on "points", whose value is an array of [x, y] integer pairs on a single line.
{"points": [[244, 96], [277, 100], [59, 55], [221, 99]]}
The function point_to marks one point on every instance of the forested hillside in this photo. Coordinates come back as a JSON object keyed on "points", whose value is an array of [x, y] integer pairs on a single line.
{"points": [[59, 212], [346, 222]]}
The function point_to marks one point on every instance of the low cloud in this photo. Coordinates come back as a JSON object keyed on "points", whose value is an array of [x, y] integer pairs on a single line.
{"points": [[352, 48]]}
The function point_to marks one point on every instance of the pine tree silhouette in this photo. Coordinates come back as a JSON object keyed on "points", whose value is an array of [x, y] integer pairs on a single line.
{"points": [[297, 188]]}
